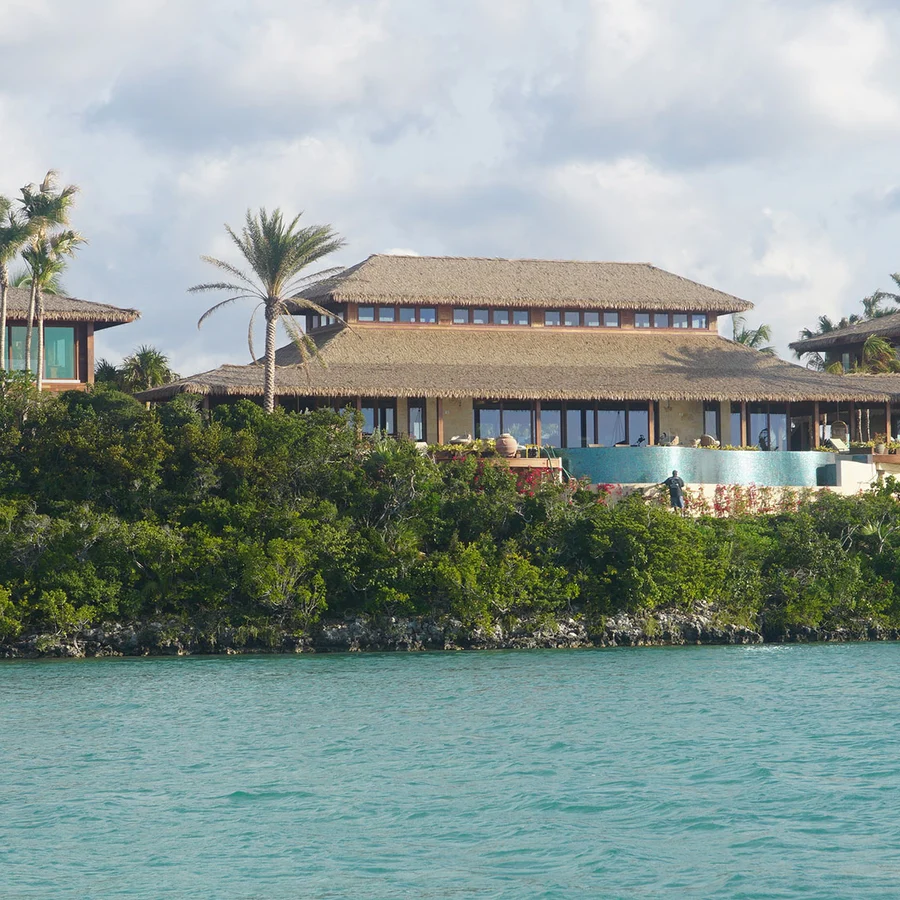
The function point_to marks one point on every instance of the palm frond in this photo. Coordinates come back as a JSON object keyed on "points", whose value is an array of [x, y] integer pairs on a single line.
{"points": [[219, 306]]}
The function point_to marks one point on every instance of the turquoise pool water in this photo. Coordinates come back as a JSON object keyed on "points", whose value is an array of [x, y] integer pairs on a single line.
{"points": [[750, 772]]}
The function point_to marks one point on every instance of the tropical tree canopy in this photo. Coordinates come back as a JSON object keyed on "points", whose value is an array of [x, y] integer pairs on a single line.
{"points": [[277, 253], [15, 231], [755, 338], [141, 370]]}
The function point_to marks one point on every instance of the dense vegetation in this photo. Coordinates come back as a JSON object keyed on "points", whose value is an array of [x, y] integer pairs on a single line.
{"points": [[113, 512]]}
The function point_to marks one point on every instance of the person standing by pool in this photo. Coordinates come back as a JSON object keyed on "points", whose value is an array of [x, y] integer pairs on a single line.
{"points": [[675, 484]]}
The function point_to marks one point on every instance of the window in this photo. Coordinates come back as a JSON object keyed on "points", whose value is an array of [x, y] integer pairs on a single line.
{"points": [[416, 418], [494, 418], [680, 320], [610, 320], [479, 317], [428, 315], [699, 320], [660, 320], [551, 425], [638, 425], [460, 316], [407, 314], [379, 414], [592, 319], [521, 317], [768, 426], [579, 426], [611, 427], [366, 314], [312, 322], [711, 420], [17, 349], [501, 316], [736, 439], [552, 317], [385, 313], [570, 317], [642, 320]]}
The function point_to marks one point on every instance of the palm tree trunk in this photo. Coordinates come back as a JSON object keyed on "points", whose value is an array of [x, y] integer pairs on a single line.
{"points": [[4, 290], [29, 326], [269, 384], [40, 325]]}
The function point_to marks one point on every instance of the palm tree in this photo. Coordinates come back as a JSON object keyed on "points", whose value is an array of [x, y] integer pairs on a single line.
{"points": [[46, 259], [754, 338], [45, 207], [146, 368], [276, 253], [53, 285], [878, 356], [106, 372], [14, 233], [824, 326]]}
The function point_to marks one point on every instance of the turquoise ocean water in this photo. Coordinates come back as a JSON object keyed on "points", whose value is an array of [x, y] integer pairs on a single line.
{"points": [[763, 772]]}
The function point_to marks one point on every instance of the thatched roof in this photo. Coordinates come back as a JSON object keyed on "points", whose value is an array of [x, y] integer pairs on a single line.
{"points": [[67, 309], [449, 280], [528, 363], [884, 326]]}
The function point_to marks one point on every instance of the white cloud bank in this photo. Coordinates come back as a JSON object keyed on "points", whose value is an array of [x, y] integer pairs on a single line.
{"points": [[749, 146]]}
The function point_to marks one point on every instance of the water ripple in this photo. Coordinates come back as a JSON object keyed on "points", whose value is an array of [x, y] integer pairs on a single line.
{"points": [[739, 773]]}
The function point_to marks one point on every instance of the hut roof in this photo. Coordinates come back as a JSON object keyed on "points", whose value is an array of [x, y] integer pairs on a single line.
{"points": [[449, 280], [884, 326], [58, 308], [528, 363]]}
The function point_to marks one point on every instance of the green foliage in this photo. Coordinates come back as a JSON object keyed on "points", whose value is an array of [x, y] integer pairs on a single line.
{"points": [[262, 524]]}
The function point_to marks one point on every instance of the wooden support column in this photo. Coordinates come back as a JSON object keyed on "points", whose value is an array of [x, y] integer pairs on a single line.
{"points": [[744, 423], [651, 420], [887, 421], [816, 423], [537, 422], [852, 423], [358, 404], [440, 420]]}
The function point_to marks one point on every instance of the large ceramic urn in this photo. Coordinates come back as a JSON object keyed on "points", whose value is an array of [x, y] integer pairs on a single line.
{"points": [[507, 445]]}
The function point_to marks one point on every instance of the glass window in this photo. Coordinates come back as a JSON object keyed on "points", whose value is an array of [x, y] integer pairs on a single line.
{"points": [[17, 348], [460, 316], [521, 317], [699, 320], [385, 313], [660, 320], [711, 419], [416, 415], [367, 314], [576, 426], [428, 315], [368, 414], [487, 420], [642, 320], [407, 314], [680, 320], [314, 322], [571, 317], [59, 352], [551, 426], [518, 420], [500, 316], [610, 320], [592, 319], [479, 317], [388, 417], [552, 317], [638, 425], [610, 427]]}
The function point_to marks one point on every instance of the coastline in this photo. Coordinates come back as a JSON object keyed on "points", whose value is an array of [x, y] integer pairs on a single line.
{"points": [[663, 627]]}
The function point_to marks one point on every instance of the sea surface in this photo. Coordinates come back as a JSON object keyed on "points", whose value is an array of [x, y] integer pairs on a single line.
{"points": [[743, 772]]}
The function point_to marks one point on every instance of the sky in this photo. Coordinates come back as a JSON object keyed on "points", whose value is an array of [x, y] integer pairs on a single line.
{"points": [[751, 146]]}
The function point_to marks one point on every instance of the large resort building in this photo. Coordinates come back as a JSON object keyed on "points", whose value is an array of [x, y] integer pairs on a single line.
{"points": [[69, 327], [560, 354]]}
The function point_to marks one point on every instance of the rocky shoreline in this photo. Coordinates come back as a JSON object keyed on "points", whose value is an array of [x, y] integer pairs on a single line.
{"points": [[666, 627]]}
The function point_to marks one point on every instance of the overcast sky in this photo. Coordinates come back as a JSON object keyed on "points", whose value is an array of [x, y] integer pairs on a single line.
{"points": [[751, 145]]}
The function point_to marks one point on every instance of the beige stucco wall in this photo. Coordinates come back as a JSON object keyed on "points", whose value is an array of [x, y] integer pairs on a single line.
{"points": [[457, 418], [681, 417]]}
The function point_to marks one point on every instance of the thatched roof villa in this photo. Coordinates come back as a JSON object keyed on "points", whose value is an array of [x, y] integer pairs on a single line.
{"points": [[69, 326], [561, 353]]}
